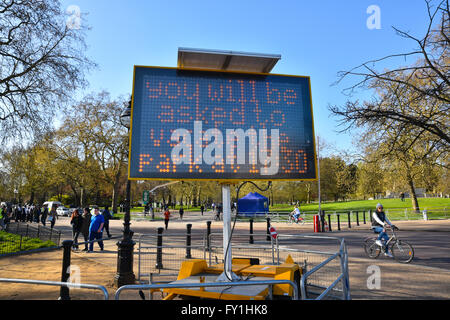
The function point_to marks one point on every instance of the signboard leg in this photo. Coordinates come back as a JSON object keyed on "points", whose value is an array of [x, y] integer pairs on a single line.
{"points": [[227, 274]]}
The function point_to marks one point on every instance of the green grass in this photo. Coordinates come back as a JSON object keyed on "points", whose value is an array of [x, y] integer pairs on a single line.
{"points": [[10, 243], [424, 203], [394, 207]]}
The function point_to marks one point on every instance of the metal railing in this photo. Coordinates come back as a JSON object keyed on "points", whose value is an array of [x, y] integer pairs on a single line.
{"points": [[341, 278], [326, 271], [60, 284], [357, 216], [40, 232], [271, 283]]}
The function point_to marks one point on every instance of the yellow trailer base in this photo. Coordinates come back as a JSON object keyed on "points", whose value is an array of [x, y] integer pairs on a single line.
{"points": [[255, 292], [197, 271]]}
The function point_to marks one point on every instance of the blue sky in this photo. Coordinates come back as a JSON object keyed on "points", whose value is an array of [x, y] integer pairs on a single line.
{"points": [[314, 38]]}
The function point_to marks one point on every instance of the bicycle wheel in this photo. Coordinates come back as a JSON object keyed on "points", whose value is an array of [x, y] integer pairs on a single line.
{"points": [[402, 251], [371, 248]]}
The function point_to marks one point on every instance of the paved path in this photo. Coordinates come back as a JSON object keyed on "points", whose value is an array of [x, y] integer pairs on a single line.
{"points": [[428, 277]]}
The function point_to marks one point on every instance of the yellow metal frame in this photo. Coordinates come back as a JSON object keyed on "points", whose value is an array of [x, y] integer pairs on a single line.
{"points": [[240, 266], [228, 181]]}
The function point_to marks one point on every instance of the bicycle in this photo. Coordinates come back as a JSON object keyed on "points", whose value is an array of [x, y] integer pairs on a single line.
{"points": [[292, 219], [401, 250]]}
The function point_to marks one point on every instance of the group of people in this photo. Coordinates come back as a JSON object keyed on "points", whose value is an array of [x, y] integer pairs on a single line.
{"points": [[90, 226], [28, 213]]}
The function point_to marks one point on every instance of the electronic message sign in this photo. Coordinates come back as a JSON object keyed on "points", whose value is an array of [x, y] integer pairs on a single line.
{"points": [[211, 125]]}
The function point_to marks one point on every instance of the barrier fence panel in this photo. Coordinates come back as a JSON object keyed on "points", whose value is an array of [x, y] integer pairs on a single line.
{"points": [[349, 218], [164, 262], [34, 231], [59, 284], [271, 283], [326, 272]]}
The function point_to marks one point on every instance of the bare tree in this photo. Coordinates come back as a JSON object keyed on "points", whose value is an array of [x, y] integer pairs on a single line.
{"points": [[42, 62], [427, 83]]}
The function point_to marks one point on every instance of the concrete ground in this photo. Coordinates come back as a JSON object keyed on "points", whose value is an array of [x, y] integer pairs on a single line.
{"points": [[417, 280]]}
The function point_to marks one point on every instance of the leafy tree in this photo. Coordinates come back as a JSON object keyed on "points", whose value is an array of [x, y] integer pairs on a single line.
{"points": [[97, 142], [41, 64], [427, 82]]}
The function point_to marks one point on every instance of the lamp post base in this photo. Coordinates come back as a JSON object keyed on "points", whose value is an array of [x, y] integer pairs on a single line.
{"points": [[124, 275]]}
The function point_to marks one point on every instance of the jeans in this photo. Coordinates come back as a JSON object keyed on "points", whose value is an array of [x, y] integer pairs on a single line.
{"points": [[382, 235], [75, 235], [86, 239], [95, 235]]}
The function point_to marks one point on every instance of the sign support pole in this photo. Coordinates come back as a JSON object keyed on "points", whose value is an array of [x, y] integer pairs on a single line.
{"points": [[227, 275]]}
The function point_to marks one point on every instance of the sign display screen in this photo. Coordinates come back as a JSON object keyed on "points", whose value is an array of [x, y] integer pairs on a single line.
{"points": [[189, 124]]}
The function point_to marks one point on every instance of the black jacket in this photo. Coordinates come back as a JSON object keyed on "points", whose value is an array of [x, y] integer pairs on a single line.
{"points": [[381, 215], [77, 223]]}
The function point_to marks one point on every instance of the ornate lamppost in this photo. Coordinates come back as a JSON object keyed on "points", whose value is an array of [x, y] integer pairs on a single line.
{"points": [[125, 274]]}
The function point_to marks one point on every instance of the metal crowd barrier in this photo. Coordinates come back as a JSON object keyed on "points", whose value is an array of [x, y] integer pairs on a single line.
{"points": [[328, 269], [209, 284], [59, 284], [341, 256]]}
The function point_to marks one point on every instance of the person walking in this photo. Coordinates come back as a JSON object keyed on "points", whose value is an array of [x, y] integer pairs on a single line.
{"points": [[202, 208], [96, 230], [44, 214], [106, 216], [36, 213], [22, 213], [2, 218], [77, 222], [85, 227], [166, 217], [181, 213], [52, 216]]}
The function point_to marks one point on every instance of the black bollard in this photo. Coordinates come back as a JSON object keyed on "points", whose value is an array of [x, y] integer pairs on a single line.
{"points": [[329, 222], [268, 227], [159, 264], [339, 221], [322, 221], [208, 232], [357, 218], [188, 241], [251, 232], [64, 291], [349, 221]]}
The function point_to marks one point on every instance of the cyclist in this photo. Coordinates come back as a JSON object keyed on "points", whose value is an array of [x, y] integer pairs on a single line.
{"points": [[296, 214], [379, 223]]}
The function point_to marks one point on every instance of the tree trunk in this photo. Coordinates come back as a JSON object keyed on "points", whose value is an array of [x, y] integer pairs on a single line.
{"points": [[32, 196], [412, 192], [82, 197], [77, 199], [115, 192]]}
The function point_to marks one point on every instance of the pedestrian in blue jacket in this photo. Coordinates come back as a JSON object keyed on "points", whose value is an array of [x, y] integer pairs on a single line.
{"points": [[96, 229]]}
